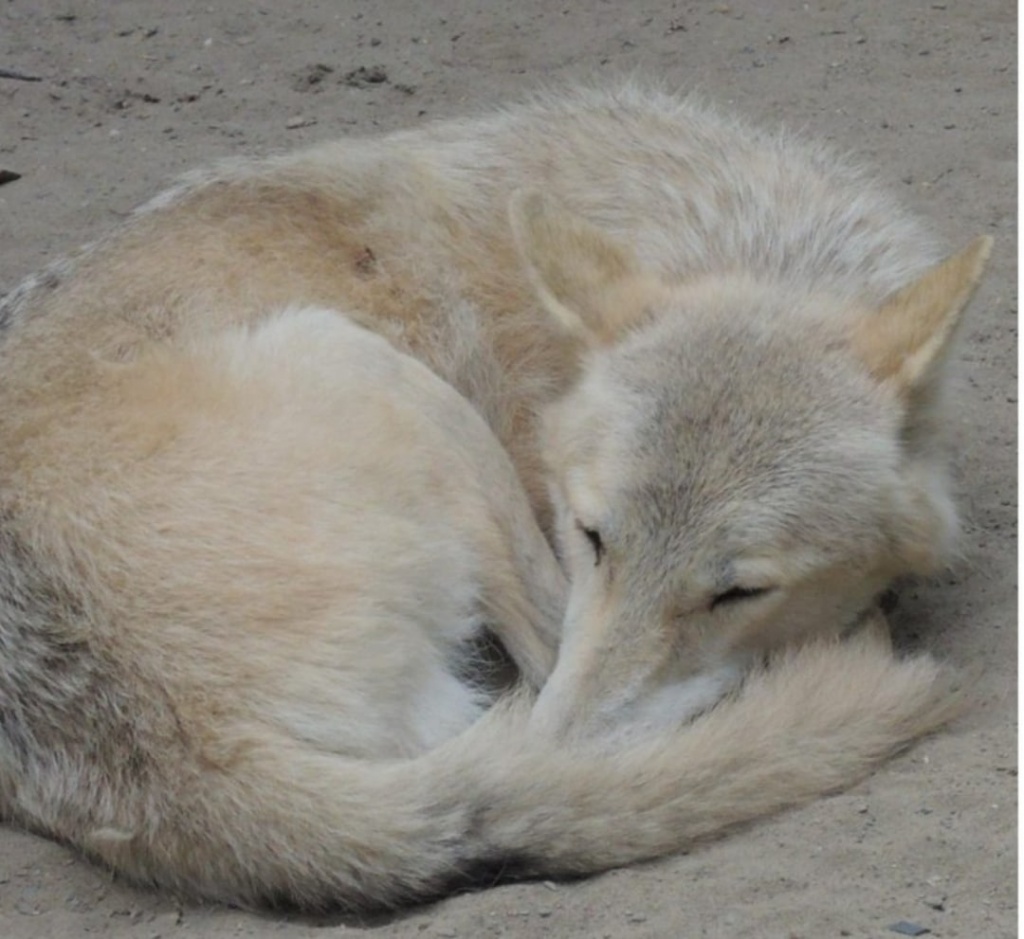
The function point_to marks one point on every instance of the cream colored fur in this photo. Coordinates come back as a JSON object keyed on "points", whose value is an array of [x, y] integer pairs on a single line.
{"points": [[736, 471], [250, 544]]}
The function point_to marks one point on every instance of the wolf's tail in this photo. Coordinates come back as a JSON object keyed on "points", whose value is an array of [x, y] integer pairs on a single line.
{"points": [[283, 823]]}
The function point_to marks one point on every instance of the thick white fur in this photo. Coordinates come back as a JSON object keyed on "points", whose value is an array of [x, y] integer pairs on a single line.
{"points": [[249, 542]]}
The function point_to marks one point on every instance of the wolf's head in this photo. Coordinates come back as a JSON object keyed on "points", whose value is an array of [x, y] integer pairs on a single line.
{"points": [[741, 465]]}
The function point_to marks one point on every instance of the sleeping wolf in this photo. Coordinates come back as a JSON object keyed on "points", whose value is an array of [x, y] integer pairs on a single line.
{"points": [[247, 545]]}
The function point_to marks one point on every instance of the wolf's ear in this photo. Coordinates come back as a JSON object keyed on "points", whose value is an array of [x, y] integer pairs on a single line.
{"points": [[590, 283], [910, 333]]}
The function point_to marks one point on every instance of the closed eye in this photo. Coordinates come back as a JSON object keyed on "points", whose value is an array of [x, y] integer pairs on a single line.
{"points": [[738, 594], [594, 537]]}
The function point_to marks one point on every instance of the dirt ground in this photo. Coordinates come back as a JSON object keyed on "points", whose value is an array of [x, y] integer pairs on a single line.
{"points": [[133, 92]]}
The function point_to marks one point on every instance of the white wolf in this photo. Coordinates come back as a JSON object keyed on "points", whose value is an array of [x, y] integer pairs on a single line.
{"points": [[245, 545]]}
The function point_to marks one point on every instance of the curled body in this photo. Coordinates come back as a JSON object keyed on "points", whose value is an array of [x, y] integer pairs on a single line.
{"points": [[274, 455]]}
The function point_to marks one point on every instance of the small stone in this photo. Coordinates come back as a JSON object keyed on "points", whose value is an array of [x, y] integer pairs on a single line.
{"points": [[905, 928]]}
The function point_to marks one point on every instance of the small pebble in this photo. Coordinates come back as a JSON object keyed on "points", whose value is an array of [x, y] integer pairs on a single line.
{"points": [[908, 929]]}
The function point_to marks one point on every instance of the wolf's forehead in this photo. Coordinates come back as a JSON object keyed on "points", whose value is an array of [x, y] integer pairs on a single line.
{"points": [[751, 455], [709, 517], [718, 497], [709, 389], [726, 419]]}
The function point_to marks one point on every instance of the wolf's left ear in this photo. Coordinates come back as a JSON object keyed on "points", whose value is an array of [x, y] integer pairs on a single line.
{"points": [[593, 285], [909, 335]]}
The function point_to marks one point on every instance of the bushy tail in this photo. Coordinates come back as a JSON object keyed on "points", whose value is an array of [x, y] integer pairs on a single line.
{"points": [[287, 824], [816, 721]]}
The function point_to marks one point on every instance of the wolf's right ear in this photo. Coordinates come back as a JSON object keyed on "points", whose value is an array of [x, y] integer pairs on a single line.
{"points": [[594, 286], [910, 334]]}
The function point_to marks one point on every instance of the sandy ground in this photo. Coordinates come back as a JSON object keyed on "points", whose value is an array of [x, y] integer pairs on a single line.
{"points": [[133, 93]]}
